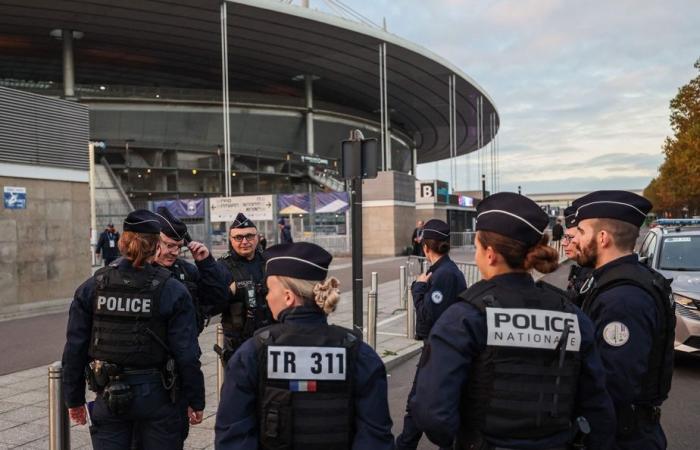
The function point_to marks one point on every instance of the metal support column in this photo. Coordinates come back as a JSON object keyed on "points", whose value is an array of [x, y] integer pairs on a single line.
{"points": [[385, 133], [225, 99], [93, 212], [308, 91], [382, 142], [68, 64]]}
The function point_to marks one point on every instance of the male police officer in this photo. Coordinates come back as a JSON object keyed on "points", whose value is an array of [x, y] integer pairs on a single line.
{"points": [[433, 292], [206, 281], [514, 365], [131, 330], [577, 274], [246, 310], [631, 307]]}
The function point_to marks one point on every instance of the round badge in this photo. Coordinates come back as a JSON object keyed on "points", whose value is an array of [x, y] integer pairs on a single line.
{"points": [[616, 334], [436, 297]]}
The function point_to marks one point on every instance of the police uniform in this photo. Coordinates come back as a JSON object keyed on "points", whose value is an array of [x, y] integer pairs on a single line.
{"points": [[247, 309], [303, 384], [132, 331], [431, 299], [514, 364], [577, 274], [631, 307], [206, 281]]}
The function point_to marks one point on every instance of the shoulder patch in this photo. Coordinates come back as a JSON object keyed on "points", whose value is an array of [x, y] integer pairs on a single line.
{"points": [[616, 334], [436, 297]]}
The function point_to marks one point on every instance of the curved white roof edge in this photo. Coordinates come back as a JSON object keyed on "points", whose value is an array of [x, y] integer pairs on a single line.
{"points": [[329, 19]]}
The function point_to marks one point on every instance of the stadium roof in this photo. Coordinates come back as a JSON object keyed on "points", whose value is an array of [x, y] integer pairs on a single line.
{"points": [[177, 43]]}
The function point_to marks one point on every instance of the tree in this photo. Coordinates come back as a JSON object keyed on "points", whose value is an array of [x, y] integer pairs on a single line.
{"points": [[678, 183]]}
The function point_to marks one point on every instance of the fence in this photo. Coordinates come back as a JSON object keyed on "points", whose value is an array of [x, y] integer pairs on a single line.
{"points": [[336, 245], [463, 239]]}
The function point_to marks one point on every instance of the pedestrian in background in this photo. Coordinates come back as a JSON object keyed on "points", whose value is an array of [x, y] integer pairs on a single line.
{"points": [[416, 239], [108, 244]]}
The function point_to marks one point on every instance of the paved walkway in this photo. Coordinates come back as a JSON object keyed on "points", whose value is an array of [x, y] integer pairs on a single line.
{"points": [[24, 395]]}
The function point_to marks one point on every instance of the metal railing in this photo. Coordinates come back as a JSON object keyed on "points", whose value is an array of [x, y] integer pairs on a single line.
{"points": [[415, 265], [59, 426], [334, 244], [463, 239]]}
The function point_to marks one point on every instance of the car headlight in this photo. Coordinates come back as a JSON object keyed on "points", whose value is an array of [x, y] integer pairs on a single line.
{"points": [[684, 301]]}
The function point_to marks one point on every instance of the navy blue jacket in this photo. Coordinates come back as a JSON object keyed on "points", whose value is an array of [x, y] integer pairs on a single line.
{"points": [[625, 365], [458, 337], [236, 424], [431, 299], [212, 282], [175, 306], [103, 244]]}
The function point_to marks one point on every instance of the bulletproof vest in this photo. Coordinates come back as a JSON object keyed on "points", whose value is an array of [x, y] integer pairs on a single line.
{"points": [[254, 313], [524, 384], [179, 273], [127, 323], [306, 385], [577, 278], [656, 382]]}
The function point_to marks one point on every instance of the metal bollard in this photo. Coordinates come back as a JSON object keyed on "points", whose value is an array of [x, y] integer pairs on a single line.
{"points": [[402, 287], [219, 366], [372, 318], [424, 266], [59, 426], [410, 320], [375, 282]]}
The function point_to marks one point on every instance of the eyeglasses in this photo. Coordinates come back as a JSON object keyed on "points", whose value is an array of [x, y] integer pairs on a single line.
{"points": [[567, 237], [248, 237]]}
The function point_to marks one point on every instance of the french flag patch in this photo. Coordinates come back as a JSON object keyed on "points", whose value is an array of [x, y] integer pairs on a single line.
{"points": [[302, 386]]}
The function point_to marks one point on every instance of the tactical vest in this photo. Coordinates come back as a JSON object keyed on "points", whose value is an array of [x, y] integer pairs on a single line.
{"points": [[524, 384], [577, 278], [126, 323], [253, 313], [178, 271], [306, 385], [656, 383]]}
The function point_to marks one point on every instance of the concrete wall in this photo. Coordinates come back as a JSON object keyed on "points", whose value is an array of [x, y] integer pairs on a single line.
{"points": [[44, 249], [431, 213]]}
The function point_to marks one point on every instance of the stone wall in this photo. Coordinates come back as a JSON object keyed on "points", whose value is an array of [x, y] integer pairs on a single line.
{"points": [[45, 248]]}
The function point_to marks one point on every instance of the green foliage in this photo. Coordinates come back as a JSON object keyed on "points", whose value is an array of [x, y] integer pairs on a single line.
{"points": [[678, 182]]}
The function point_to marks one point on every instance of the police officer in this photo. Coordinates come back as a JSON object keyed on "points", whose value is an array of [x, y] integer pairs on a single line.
{"points": [[631, 308], [303, 384], [206, 281], [131, 330], [246, 310], [514, 364], [577, 274], [433, 292]]}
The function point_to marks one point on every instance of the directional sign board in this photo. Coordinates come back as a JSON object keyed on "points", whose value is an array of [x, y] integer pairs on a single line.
{"points": [[255, 207], [15, 197]]}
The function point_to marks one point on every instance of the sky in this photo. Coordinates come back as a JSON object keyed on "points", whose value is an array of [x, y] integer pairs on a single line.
{"points": [[582, 87]]}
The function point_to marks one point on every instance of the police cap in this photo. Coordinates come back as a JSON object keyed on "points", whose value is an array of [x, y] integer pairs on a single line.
{"points": [[171, 226], [437, 230], [142, 221], [242, 222], [570, 216], [512, 215], [620, 205], [302, 260]]}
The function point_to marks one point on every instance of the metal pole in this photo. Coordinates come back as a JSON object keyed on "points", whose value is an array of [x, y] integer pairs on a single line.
{"points": [[375, 282], [410, 320], [382, 144], [59, 427], [357, 280], [372, 313], [68, 64], [225, 96], [402, 287], [308, 84], [387, 120], [220, 366], [93, 213]]}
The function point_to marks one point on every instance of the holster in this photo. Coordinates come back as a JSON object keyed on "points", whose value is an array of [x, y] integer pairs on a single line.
{"points": [[631, 418], [118, 396]]}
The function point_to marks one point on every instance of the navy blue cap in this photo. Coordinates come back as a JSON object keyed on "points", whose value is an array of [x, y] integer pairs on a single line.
{"points": [[437, 230], [302, 260], [171, 226], [281, 221], [242, 222], [570, 216], [142, 221], [619, 205], [512, 215]]}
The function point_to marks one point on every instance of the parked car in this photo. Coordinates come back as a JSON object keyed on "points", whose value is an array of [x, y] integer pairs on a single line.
{"points": [[672, 248]]}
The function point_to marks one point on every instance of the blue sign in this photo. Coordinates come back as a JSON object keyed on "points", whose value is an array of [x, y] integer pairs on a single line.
{"points": [[15, 197]]}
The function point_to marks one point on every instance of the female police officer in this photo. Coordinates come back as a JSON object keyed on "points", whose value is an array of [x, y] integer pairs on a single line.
{"points": [[303, 384], [514, 364], [433, 292], [133, 327]]}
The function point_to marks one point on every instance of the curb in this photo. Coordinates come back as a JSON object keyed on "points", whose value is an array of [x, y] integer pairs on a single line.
{"points": [[394, 361]]}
